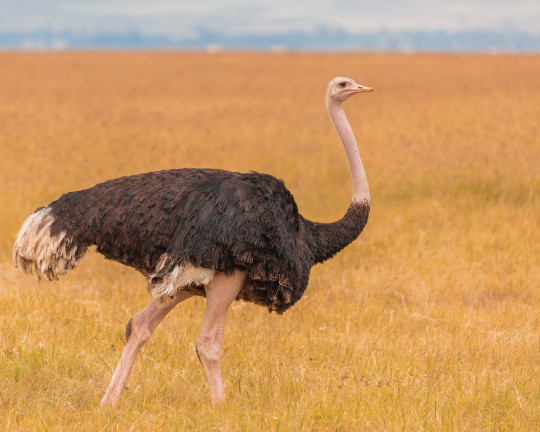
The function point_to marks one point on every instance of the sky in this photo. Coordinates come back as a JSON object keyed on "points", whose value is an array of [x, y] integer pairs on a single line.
{"points": [[182, 19]]}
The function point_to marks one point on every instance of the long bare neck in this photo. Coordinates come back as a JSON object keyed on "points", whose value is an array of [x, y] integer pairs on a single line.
{"points": [[326, 239], [358, 175]]}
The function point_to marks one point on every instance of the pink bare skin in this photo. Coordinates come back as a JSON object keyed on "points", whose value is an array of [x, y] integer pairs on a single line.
{"points": [[142, 326], [220, 293], [334, 102]]}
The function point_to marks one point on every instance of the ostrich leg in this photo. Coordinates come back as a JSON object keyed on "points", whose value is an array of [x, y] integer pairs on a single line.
{"points": [[220, 293], [138, 330]]}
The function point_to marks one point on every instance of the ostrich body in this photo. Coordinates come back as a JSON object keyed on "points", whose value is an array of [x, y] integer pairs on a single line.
{"points": [[219, 234]]}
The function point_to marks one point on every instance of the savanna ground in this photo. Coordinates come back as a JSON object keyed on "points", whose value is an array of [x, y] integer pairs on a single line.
{"points": [[429, 321]]}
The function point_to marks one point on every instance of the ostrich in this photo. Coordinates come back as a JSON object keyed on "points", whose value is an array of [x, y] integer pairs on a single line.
{"points": [[208, 232]]}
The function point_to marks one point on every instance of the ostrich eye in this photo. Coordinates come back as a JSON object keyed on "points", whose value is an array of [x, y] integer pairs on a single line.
{"points": [[343, 84]]}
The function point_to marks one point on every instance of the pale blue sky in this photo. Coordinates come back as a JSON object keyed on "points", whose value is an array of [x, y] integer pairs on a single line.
{"points": [[179, 19]]}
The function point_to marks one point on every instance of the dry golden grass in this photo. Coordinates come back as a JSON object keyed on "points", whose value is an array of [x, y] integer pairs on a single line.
{"points": [[428, 322]]}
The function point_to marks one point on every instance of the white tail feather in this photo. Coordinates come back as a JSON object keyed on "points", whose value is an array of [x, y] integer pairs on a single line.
{"points": [[37, 249]]}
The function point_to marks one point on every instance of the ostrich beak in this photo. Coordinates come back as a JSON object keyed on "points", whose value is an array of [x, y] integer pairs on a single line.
{"points": [[362, 88]]}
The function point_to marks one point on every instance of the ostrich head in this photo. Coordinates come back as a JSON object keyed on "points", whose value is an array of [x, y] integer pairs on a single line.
{"points": [[340, 89]]}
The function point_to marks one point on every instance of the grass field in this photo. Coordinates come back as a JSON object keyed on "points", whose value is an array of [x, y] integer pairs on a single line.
{"points": [[429, 321]]}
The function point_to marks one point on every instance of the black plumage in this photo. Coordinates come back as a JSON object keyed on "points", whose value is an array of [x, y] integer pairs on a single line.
{"points": [[209, 218]]}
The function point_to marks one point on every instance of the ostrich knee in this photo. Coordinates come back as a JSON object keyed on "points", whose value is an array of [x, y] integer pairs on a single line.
{"points": [[138, 329], [208, 351]]}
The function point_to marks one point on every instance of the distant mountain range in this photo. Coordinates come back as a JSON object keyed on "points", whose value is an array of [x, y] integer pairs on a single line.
{"points": [[322, 39]]}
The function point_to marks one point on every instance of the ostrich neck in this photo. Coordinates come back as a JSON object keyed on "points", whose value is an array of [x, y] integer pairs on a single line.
{"points": [[326, 239], [358, 175]]}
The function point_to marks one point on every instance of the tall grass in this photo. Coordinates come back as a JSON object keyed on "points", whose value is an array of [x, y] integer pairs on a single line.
{"points": [[428, 322]]}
